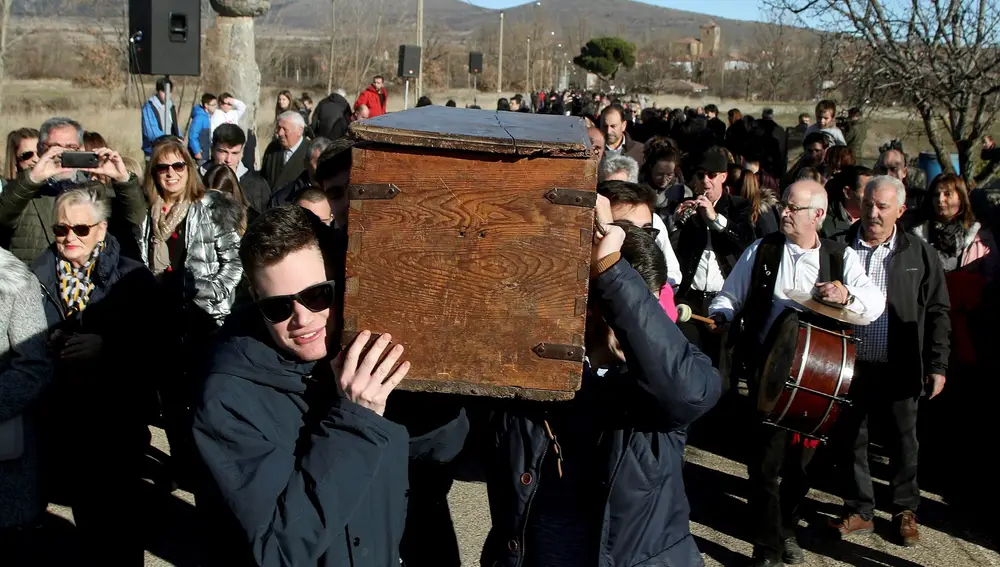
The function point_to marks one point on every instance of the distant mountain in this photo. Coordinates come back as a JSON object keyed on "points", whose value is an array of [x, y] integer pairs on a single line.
{"points": [[638, 21]]}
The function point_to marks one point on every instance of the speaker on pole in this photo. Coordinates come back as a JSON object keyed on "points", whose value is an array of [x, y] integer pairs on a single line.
{"points": [[409, 61], [164, 37], [475, 63]]}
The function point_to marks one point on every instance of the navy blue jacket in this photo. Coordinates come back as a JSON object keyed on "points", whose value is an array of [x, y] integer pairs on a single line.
{"points": [[643, 415], [300, 475]]}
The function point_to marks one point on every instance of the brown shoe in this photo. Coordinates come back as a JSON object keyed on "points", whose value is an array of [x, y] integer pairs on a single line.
{"points": [[908, 528], [853, 524]]}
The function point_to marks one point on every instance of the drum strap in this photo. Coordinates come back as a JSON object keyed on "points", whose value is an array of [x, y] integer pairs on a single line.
{"points": [[764, 278]]}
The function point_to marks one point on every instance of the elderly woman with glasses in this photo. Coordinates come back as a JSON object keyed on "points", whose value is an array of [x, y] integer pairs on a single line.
{"points": [[190, 240], [94, 433]]}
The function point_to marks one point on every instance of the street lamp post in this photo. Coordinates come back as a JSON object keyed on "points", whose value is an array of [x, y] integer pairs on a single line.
{"points": [[500, 58]]}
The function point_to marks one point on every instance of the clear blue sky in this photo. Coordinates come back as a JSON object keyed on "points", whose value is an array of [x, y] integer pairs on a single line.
{"points": [[735, 9]]}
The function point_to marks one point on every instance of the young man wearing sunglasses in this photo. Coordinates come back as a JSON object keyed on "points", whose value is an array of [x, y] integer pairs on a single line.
{"points": [[303, 467]]}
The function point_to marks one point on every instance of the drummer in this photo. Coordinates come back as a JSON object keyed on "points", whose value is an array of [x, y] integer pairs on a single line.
{"points": [[796, 258]]}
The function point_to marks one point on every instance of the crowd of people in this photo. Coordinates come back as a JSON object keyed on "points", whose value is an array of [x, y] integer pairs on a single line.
{"points": [[201, 292]]}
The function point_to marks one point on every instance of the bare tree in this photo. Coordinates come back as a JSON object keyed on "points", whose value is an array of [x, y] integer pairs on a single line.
{"points": [[941, 56]]}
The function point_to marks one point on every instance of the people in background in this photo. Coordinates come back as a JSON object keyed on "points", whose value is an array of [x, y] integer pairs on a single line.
{"points": [[374, 97], [22, 152], [288, 155], [315, 199], [153, 116], [199, 133], [222, 179], [230, 111], [424, 101]]}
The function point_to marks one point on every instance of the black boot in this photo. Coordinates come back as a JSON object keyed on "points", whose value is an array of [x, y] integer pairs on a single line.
{"points": [[792, 553]]}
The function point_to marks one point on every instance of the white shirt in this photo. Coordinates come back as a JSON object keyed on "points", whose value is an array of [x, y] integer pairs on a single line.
{"points": [[799, 270], [289, 153], [674, 274], [708, 276], [220, 117], [833, 132]]}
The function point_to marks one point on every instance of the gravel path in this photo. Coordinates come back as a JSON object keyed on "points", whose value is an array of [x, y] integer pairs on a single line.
{"points": [[716, 486]]}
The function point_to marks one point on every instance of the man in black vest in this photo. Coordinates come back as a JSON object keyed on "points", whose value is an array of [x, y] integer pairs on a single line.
{"points": [[797, 258], [709, 232]]}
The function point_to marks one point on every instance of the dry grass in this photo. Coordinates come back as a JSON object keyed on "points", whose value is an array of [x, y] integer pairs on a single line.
{"points": [[29, 103]]}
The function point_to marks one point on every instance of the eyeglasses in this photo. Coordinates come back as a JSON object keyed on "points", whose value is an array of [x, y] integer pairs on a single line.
{"points": [[791, 208], [81, 230], [161, 168], [315, 298], [26, 155], [708, 174]]}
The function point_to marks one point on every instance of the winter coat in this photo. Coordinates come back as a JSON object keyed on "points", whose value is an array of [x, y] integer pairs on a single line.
{"points": [[768, 215], [298, 474], [376, 102], [642, 414], [26, 214], [212, 245], [102, 403], [152, 123], [918, 305], [255, 188], [966, 288], [199, 140], [691, 238], [279, 173], [331, 117], [25, 371]]}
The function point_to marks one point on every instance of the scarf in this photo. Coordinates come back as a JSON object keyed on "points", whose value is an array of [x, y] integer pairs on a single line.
{"points": [[163, 227], [75, 284], [948, 238]]}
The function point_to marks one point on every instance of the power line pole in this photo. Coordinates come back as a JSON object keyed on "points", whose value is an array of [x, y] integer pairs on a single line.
{"points": [[420, 43], [500, 59], [527, 71]]}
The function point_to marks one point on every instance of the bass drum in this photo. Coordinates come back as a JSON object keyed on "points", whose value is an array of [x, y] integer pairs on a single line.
{"points": [[806, 375]]}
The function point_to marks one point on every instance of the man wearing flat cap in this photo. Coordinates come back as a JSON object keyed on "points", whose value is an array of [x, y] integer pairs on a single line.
{"points": [[709, 232]]}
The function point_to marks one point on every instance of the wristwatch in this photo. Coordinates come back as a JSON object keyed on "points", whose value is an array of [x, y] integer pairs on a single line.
{"points": [[850, 298]]}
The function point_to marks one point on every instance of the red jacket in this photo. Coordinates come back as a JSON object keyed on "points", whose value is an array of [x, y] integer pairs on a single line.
{"points": [[370, 98]]}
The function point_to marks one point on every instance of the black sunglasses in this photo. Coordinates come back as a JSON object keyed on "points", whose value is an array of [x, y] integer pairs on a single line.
{"points": [[161, 168], [81, 230], [315, 298], [26, 156]]}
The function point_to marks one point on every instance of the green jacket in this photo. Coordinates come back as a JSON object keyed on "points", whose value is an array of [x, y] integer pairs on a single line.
{"points": [[26, 215]]}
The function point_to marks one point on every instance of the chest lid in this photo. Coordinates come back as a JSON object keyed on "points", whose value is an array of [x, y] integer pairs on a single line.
{"points": [[500, 132]]}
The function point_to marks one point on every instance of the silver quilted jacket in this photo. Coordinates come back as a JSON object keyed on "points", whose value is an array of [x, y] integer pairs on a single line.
{"points": [[213, 245]]}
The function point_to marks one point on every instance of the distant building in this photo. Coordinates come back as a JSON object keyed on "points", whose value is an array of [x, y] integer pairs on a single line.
{"points": [[706, 46]]}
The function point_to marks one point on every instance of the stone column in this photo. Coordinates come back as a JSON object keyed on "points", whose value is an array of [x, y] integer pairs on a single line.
{"points": [[231, 57]]}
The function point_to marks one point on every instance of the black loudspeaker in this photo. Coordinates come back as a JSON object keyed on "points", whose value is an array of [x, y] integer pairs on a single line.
{"points": [[409, 61], [475, 63], [165, 37]]}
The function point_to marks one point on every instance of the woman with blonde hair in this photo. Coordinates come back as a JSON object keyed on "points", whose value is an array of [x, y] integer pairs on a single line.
{"points": [[190, 240]]}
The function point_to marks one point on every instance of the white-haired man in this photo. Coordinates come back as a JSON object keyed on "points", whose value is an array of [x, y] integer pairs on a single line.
{"points": [[795, 258], [901, 353], [287, 156]]}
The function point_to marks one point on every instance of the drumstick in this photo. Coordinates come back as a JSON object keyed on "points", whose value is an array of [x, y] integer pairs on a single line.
{"points": [[684, 314]]}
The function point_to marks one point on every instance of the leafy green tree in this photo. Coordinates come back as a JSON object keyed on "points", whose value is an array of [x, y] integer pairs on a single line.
{"points": [[605, 56]]}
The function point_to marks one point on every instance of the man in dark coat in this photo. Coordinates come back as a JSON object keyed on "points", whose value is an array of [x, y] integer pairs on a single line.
{"points": [[287, 156], [303, 468], [617, 140], [709, 232], [845, 191], [331, 117], [901, 356], [597, 480], [769, 140]]}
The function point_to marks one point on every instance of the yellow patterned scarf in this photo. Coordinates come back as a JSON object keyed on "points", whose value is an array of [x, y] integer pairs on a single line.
{"points": [[75, 285]]}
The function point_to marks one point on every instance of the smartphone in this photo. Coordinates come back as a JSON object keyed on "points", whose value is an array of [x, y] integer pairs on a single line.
{"points": [[79, 160]]}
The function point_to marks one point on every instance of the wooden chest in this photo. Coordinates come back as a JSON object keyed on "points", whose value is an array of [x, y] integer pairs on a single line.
{"points": [[469, 241]]}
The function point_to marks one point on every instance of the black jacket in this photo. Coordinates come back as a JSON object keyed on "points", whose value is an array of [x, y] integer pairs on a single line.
{"points": [[256, 190], [288, 194], [837, 224], [918, 306], [298, 474], [276, 172], [642, 415], [331, 117], [87, 390], [689, 240]]}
